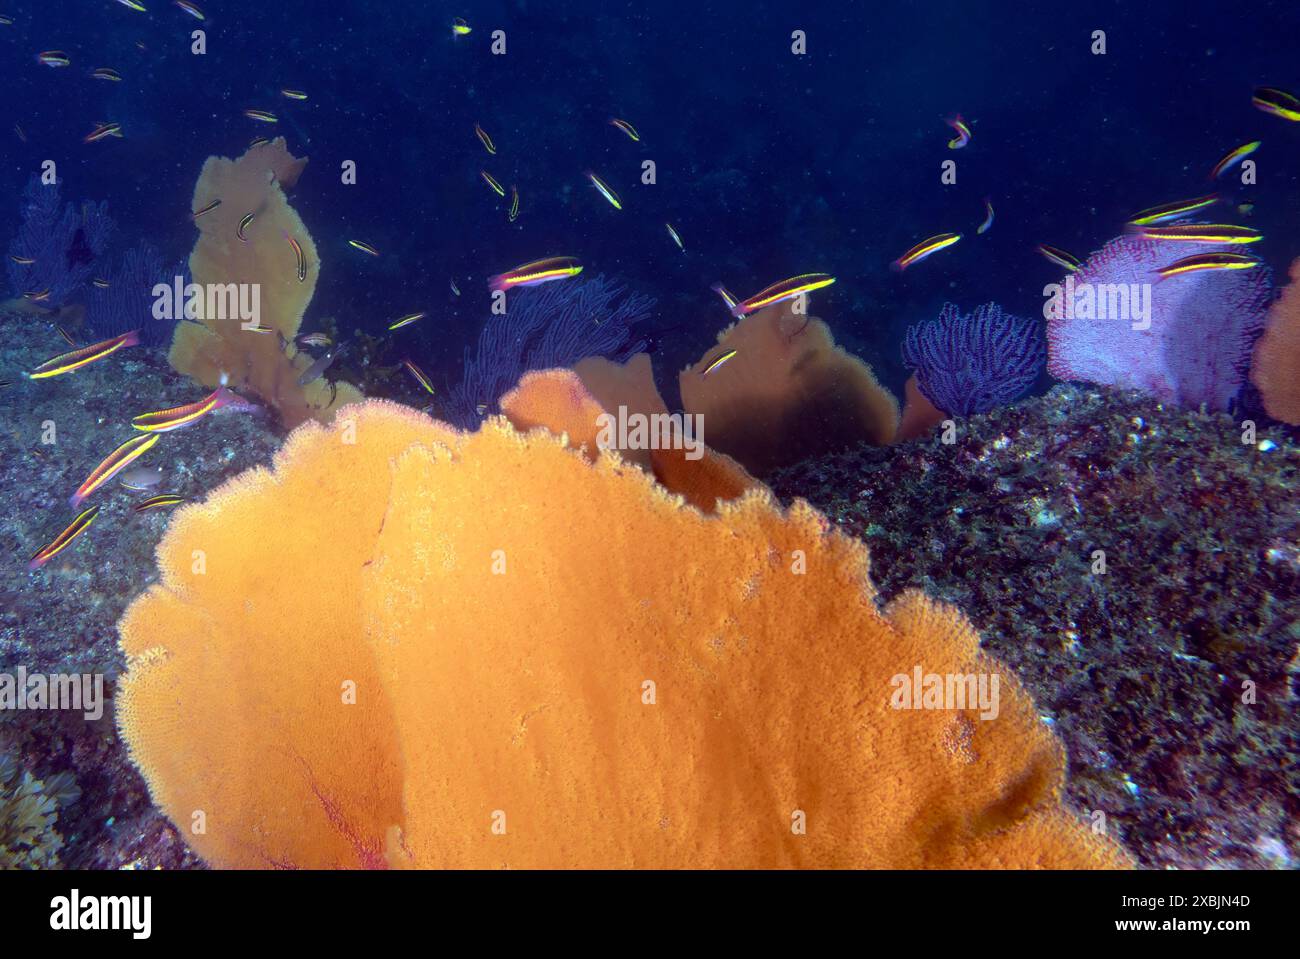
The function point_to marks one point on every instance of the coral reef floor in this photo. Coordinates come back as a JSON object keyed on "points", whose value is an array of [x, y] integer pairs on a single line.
{"points": [[1140, 669]]}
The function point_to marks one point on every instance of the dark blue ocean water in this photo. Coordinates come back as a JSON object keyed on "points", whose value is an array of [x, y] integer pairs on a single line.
{"points": [[768, 163]]}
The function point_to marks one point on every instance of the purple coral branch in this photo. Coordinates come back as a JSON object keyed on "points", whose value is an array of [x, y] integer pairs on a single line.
{"points": [[974, 363], [127, 302], [545, 327], [62, 243]]}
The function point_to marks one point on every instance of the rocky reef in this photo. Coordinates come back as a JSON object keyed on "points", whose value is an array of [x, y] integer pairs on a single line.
{"points": [[1137, 565], [62, 618], [1170, 675]]}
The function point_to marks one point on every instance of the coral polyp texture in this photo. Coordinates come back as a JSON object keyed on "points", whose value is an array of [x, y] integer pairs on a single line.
{"points": [[1185, 339], [972, 363], [532, 689]]}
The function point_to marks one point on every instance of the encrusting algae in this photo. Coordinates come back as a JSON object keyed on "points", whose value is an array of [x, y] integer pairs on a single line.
{"points": [[486, 649], [265, 254], [29, 816]]}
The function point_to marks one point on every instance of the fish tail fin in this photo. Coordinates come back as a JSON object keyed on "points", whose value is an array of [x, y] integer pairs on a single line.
{"points": [[226, 397], [726, 295], [131, 339]]}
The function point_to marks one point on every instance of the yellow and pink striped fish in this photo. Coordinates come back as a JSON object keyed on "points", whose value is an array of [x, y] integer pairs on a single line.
{"points": [[64, 539], [67, 362], [113, 463], [179, 417], [785, 290], [923, 249], [539, 271]]}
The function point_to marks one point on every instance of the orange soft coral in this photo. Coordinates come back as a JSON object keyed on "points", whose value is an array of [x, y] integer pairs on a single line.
{"points": [[788, 393], [266, 364], [1275, 369], [572, 402], [558, 401], [919, 414], [486, 650]]}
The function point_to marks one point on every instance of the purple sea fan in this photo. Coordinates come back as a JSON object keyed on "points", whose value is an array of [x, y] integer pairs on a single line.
{"points": [[127, 302], [974, 363], [62, 243], [1184, 340], [544, 327]]}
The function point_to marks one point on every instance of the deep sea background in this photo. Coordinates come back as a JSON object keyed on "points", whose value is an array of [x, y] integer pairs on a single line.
{"points": [[768, 164]]}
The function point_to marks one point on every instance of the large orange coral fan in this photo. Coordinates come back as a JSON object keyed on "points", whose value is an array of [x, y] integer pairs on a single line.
{"points": [[787, 394], [1275, 369], [284, 628], [266, 364], [486, 650]]}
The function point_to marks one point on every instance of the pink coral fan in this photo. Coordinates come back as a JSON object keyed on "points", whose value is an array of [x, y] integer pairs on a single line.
{"points": [[1185, 340]]}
